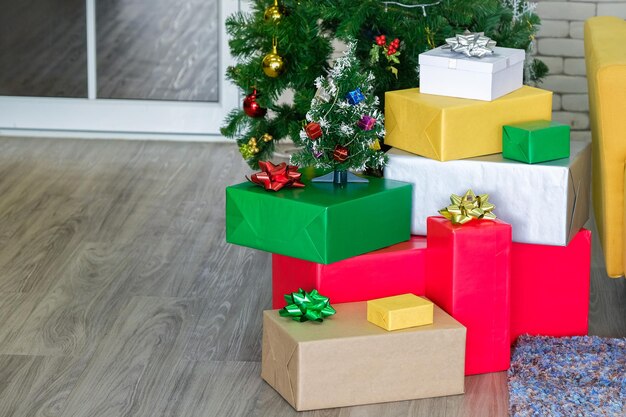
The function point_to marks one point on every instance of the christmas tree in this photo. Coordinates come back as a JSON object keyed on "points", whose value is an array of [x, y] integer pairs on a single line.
{"points": [[285, 45], [287, 36], [344, 123]]}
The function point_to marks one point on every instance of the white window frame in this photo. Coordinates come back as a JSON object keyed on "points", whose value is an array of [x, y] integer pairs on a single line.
{"points": [[94, 117]]}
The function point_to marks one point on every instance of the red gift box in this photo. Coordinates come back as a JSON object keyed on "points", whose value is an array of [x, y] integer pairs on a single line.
{"points": [[467, 274], [550, 288], [313, 130], [397, 269]]}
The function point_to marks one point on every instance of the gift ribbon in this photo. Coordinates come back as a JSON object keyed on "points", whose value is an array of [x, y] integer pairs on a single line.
{"points": [[274, 177], [303, 306], [469, 207], [471, 44]]}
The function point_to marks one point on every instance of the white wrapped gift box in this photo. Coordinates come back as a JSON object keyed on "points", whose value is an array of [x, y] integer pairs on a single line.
{"points": [[447, 73], [545, 203]]}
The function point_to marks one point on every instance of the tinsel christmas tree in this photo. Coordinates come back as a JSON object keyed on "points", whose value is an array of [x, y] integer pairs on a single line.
{"points": [[344, 125], [285, 45]]}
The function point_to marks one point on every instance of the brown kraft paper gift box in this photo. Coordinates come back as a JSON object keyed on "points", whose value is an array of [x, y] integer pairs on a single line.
{"points": [[347, 361]]}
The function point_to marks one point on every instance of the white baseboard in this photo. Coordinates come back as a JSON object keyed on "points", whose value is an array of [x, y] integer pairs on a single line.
{"points": [[75, 134]]}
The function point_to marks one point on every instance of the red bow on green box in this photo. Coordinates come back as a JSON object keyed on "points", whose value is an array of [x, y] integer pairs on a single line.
{"points": [[274, 177]]}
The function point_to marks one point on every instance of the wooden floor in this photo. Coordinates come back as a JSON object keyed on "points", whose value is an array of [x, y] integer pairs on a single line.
{"points": [[120, 297]]}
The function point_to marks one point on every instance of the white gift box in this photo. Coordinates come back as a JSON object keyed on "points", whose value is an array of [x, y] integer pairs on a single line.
{"points": [[447, 73], [545, 203]]}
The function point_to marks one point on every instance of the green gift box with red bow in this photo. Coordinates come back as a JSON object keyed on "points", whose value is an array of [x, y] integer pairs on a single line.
{"points": [[319, 222]]}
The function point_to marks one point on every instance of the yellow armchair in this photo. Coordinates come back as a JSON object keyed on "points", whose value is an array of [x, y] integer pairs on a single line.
{"points": [[605, 57]]}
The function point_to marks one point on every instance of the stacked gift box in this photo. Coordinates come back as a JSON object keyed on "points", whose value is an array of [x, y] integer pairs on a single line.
{"points": [[382, 342], [420, 300], [473, 125]]}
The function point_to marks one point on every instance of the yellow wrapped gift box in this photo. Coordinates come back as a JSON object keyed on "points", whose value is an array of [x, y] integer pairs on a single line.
{"points": [[400, 312], [449, 128]]}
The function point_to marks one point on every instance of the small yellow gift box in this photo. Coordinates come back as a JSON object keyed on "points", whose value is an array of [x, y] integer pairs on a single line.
{"points": [[400, 312], [449, 128]]}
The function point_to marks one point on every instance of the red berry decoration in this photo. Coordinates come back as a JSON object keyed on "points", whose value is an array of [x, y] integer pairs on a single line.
{"points": [[393, 47], [380, 40], [313, 130], [340, 154], [251, 107]]}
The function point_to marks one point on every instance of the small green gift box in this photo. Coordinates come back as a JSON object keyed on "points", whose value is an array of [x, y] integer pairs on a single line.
{"points": [[321, 222], [536, 141]]}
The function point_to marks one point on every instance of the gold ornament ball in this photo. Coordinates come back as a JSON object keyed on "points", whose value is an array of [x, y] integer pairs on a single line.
{"points": [[273, 13], [273, 64]]}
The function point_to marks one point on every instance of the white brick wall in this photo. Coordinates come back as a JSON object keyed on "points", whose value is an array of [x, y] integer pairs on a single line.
{"points": [[560, 45]]}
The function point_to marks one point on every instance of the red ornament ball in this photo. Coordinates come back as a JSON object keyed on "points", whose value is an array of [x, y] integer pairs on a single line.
{"points": [[341, 153], [251, 107]]}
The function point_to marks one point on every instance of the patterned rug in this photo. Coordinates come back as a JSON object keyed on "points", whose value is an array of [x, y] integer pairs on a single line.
{"points": [[568, 376]]}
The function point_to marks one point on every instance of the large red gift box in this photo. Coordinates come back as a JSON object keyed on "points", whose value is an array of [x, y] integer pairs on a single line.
{"points": [[550, 288], [397, 269], [468, 274]]}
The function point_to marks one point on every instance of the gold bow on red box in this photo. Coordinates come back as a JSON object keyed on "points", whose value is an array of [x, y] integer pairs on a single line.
{"points": [[468, 207]]}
